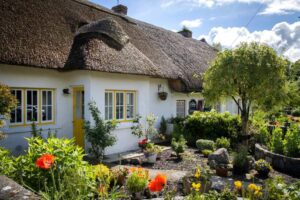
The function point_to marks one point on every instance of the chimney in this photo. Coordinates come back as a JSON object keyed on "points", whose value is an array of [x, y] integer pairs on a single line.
{"points": [[186, 32], [120, 9]]}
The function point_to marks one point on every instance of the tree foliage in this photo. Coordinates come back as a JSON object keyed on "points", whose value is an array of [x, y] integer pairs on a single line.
{"points": [[7, 103], [252, 73], [99, 135]]}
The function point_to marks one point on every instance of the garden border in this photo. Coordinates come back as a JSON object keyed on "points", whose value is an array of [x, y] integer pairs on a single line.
{"points": [[279, 162]]}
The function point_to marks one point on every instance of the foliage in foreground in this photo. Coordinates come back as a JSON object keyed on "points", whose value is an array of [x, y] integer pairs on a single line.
{"points": [[99, 135]]}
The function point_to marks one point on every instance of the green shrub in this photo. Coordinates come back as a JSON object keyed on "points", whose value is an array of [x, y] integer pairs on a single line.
{"points": [[263, 136], [211, 125], [206, 152], [240, 161], [296, 112], [178, 128], [292, 142], [205, 144], [7, 166], [276, 145], [179, 145], [223, 142], [99, 136]]}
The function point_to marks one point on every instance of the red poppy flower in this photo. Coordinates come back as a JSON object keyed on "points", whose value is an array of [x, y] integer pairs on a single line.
{"points": [[46, 161], [158, 183]]}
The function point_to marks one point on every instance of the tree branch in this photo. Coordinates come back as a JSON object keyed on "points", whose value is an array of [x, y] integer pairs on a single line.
{"points": [[237, 103]]}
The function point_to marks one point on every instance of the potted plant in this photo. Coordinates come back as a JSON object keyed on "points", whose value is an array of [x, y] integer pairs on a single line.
{"points": [[263, 168], [222, 170], [143, 143], [241, 161], [137, 182], [163, 95], [151, 152]]}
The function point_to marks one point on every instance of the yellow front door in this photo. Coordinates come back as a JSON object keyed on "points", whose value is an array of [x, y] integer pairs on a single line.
{"points": [[78, 115]]}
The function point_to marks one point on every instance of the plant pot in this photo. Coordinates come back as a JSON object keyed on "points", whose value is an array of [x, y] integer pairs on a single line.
{"points": [[151, 157], [163, 95], [223, 172]]}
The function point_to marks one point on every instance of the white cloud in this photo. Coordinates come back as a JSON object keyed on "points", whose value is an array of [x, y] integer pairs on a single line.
{"points": [[271, 6], [283, 37], [191, 23]]}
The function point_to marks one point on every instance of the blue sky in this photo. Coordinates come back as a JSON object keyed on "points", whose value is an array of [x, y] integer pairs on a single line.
{"points": [[276, 23]]}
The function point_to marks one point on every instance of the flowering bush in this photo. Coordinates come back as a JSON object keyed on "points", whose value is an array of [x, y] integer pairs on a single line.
{"points": [[143, 143]]}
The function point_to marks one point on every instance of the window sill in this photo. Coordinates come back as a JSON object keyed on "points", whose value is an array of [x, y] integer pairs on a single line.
{"points": [[26, 125], [124, 124]]}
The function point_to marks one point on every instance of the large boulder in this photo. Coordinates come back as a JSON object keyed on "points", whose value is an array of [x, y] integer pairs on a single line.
{"points": [[11, 190], [219, 157]]}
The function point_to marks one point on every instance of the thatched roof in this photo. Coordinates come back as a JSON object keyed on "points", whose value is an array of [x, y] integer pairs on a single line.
{"points": [[77, 34]]}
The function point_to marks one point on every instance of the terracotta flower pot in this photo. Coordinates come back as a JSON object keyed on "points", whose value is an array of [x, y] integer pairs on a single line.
{"points": [[223, 172]]}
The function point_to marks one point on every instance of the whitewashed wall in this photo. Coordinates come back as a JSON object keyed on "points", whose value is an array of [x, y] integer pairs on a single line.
{"points": [[16, 76], [95, 84]]}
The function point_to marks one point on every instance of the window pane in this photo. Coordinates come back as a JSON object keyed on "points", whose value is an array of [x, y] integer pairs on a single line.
{"points": [[32, 106], [44, 97], [34, 97], [108, 105], [49, 100], [180, 108], [49, 113], [129, 112], [44, 113], [16, 114]]}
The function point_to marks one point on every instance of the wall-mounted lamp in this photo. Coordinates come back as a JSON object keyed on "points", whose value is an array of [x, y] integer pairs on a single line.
{"points": [[66, 91]]}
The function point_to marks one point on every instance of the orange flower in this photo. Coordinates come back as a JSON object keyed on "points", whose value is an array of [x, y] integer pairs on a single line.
{"points": [[158, 183], [46, 161]]}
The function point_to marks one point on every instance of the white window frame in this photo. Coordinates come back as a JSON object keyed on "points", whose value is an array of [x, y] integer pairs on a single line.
{"points": [[109, 105], [115, 106], [184, 111], [130, 105], [22, 107]]}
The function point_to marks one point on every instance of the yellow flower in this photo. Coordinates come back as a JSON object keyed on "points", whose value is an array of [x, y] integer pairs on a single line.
{"points": [[258, 193], [238, 185], [198, 173], [252, 187], [196, 186]]}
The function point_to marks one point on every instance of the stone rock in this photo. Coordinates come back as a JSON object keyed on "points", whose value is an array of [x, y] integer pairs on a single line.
{"points": [[11, 190], [219, 157]]}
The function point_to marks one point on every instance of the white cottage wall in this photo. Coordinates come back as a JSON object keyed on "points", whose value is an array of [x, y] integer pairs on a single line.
{"points": [[25, 77]]}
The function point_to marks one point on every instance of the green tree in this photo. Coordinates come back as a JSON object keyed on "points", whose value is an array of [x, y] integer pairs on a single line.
{"points": [[293, 85], [7, 103], [252, 73]]}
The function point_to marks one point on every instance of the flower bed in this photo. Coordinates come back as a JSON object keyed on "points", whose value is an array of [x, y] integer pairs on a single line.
{"points": [[280, 162]]}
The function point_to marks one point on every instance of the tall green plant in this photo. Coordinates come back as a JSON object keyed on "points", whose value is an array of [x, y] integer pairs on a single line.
{"points": [[163, 125], [99, 135]]}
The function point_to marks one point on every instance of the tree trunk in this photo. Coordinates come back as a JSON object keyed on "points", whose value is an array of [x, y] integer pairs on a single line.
{"points": [[244, 117]]}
